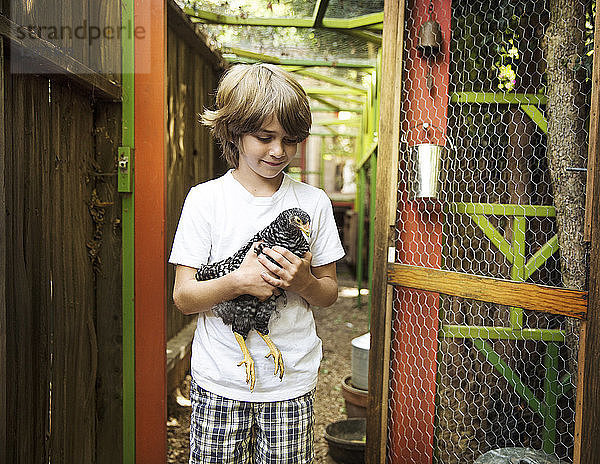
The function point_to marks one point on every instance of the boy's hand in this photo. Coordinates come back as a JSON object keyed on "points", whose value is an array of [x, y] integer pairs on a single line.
{"points": [[293, 273], [251, 277]]}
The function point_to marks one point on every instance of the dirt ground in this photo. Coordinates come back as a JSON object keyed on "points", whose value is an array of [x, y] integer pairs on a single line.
{"points": [[336, 326]]}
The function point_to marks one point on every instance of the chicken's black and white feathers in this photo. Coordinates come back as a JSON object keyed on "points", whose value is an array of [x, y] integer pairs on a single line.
{"points": [[247, 312]]}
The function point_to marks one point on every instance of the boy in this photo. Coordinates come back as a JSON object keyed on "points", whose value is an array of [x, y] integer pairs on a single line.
{"points": [[262, 114]]}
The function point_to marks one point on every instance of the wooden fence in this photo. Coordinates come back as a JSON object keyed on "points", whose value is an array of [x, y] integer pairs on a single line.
{"points": [[193, 71], [61, 372]]}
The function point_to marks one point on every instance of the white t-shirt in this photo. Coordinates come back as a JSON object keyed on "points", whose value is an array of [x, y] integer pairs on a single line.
{"points": [[218, 217]]}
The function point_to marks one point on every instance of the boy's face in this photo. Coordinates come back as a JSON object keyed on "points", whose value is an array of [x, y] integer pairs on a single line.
{"points": [[267, 152]]}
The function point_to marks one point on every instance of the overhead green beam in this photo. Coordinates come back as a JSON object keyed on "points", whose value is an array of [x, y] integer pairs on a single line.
{"points": [[339, 122], [326, 102], [365, 35], [331, 91], [328, 23], [328, 109], [253, 57], [322, 134], [332, 80], [319, 12], [293, 68]]}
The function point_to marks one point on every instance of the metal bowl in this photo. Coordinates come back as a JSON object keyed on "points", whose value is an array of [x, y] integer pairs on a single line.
{"points": [[346, 440]]}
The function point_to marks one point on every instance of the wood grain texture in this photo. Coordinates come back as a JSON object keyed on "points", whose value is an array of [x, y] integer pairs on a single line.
{"points": [[533, 297], [191, 82], [3, 273], [587, 412], [591, 202], [386, 194], [49, 59], [106, 245]]}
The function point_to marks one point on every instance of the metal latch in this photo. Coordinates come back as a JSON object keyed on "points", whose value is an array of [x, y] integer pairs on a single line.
{"points": [[125, 171]]}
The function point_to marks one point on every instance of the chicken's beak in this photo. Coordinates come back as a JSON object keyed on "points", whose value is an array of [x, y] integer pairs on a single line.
{"points": [[305, 228]]}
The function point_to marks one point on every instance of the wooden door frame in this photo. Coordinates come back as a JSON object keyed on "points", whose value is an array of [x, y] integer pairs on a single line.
{"points": [[587, 439]]}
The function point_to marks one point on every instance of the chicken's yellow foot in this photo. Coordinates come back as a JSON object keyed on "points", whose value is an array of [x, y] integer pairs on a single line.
{"points": [[248, 361], [274, 351]]}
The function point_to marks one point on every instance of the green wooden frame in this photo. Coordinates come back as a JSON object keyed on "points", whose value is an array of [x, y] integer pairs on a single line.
{"points": [[128, 271], [521, 270]]}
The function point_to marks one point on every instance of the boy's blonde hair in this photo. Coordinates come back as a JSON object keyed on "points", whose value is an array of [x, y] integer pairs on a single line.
{"points": [[247, 96]]}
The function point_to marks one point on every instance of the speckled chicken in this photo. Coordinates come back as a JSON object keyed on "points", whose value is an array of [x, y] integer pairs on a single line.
{"points": [[290, 230]]}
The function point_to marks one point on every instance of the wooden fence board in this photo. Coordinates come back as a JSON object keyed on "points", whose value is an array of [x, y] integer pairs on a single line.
{"points": [[105, 51], [191, 81], [533, 297], [107, 243], [49, 59], [3, 268]]}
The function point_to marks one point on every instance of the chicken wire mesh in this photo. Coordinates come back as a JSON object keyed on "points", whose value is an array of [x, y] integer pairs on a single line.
{"points": [[504, 200]]}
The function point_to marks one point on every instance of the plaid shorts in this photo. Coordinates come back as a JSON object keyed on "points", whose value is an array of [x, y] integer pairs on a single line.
{"points": [[230, 431]]}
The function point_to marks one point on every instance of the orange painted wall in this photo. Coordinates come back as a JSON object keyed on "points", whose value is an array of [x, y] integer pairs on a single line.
{"points": [[150, 238]]}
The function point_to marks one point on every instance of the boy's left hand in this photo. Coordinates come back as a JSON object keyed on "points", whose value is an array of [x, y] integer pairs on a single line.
{"points": [[293, 273]]}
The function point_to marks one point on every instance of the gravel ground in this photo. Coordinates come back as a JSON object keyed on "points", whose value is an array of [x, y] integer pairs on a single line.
{"points": [[336, 326]]}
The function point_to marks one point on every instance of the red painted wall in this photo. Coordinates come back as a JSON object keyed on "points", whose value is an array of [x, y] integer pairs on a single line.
{"points": [[415, 329]]}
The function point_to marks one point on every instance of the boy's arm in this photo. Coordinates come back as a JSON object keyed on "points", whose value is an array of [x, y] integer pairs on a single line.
{"points": [[191, 296], [323, 292], [317, 285]]}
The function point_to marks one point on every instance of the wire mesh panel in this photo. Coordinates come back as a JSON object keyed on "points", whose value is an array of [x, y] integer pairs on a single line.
{"points": [[491, 183]]}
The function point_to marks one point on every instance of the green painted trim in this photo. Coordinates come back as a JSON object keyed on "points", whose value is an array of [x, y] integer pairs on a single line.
{"points": [[334, 133], [328, 23], [233, 54], [326, 109], [375, 27], [325, 102], [502, 98], [338, 122], [493, 235], [551, 393], [565, 385], [369, 36], [293, 69], [373, 203], [372, 19], [332, 91], [127, 231], [516, 273], [540, 257], [536, 116], [323, 134], [501, 333], [331, 80], [360, 195], [499, 209], [513, 379], [215, 18], [367, 155]]}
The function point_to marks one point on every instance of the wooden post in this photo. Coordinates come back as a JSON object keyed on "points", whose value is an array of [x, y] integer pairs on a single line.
{"points": [[150, 235], [587, 411], [385, 218], [3, 273]]}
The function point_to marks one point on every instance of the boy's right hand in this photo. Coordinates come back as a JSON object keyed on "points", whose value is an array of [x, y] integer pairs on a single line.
{"points": [[249, 277]]}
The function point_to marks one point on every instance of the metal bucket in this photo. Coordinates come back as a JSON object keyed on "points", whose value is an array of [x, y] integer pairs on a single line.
{"points": [[426, 164]]}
